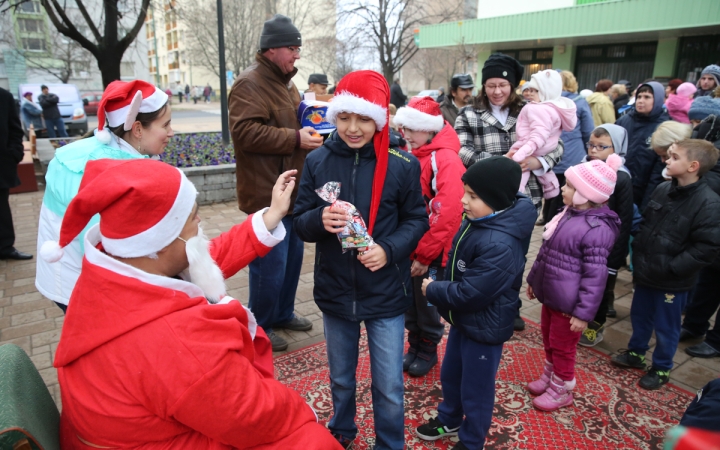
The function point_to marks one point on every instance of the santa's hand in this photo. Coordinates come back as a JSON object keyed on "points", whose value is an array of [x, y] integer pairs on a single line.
{"points": [[374, 258], [280, 203]]}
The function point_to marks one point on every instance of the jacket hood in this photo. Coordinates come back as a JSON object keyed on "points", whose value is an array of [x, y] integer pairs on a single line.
{"points": [[99, 316], [549, 86], [446, 138], [597, 97], [619, 138], [568, 114], [658, 97], [517, 221], [24, 101]]}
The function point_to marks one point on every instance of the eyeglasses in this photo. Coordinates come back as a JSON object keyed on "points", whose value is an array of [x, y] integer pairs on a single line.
{"points": [[295, 50], [601, 148], [492, 87]]}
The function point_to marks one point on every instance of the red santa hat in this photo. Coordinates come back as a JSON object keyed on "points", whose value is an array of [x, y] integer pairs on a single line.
{"points": [[122, 101], [366, 93], [420, 114], [143, 206]]}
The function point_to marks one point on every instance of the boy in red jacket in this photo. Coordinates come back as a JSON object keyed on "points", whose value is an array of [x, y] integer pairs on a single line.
{"points": [[436, 145]]}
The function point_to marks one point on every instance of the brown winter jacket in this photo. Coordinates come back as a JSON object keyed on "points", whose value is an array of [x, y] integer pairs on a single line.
{"points": [[263, 105], [449, 110]]}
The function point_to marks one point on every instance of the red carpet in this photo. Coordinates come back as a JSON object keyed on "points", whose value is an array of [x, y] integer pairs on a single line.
{"points": [[610, 412]]}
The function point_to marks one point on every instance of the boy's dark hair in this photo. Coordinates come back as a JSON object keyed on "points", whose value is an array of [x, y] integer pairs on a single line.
{"points": [[701, 151], [600, 132], [645, 88]]}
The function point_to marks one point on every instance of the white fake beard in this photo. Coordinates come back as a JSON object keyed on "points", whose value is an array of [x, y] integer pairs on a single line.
{"points": [[203, 271]]}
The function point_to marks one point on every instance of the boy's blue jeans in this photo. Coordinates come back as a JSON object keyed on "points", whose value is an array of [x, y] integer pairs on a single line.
{"points": [[468, 386], [659, 311], [274, 279], [386, 343]]}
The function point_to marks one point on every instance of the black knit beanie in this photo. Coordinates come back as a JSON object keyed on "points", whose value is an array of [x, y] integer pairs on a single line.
{"points": [[279, 32], [495, 180], [499, 65]]}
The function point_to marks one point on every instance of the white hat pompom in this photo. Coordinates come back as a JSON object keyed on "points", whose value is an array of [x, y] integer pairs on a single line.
{"points": [[103, 136], [614, 161], [51, 251]]}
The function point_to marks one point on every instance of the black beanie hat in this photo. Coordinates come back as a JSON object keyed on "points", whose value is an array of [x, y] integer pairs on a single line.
{"points": [[279, 32], [499, 65], [495, 180]]}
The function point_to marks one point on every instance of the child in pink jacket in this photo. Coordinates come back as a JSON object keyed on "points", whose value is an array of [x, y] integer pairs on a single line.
{"points": [[678, 104], [540, 123]]}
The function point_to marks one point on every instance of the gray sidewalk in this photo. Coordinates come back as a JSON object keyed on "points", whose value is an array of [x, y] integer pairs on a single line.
{"points": [[34, 323]]}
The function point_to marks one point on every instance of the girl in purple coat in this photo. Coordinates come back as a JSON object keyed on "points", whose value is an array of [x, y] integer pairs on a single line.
{"points": [[570, 273]]}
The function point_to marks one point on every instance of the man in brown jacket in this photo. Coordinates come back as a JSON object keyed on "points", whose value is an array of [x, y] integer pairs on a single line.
{"points": [[268, 141], [461, 87]]}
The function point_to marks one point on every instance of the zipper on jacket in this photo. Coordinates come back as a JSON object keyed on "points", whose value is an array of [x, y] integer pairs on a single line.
{"points": [[353, 253], [401, 279], [452, 271]]}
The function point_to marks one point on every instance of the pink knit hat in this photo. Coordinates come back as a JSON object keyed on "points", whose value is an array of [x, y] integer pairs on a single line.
{"points": [[594, 181], [686, 89]]}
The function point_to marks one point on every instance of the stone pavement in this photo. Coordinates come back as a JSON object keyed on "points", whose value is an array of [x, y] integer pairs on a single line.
{"points": [[34, 323]]}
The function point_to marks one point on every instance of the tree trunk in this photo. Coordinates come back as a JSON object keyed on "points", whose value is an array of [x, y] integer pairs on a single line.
{"points": [[388, 74], [109, 65]]}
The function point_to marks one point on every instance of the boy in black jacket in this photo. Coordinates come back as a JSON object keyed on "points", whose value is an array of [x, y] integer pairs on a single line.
{"points": [[604, 141], [678, 237], [373, 285], [480, 300]]}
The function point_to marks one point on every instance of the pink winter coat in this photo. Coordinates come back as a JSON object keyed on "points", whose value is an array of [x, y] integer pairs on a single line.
{"points": [[678, 107], [538, 128]]}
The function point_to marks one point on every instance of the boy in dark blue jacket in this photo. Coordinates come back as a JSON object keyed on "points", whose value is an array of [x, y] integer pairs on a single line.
{"points": [[480, 300], [373, 285]]}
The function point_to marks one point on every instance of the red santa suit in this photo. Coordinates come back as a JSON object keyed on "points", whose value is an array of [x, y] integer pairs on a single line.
{"points": [[145, 362]]}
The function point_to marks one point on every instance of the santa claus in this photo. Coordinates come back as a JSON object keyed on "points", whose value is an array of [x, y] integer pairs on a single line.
{"points": [[153, 353]]}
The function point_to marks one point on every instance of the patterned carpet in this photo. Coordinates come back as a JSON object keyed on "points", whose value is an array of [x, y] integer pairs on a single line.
{"points": [[610, 411]]}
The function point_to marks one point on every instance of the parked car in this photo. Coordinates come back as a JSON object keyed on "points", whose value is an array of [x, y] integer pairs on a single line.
{"points": [[71, 106], [434, 93], [91, 100]]}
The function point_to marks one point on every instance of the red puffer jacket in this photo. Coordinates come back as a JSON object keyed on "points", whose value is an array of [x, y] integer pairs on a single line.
{"points": [[440, 178]]}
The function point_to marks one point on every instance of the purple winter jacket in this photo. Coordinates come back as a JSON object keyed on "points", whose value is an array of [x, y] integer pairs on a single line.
{"points": [[570, 270]]}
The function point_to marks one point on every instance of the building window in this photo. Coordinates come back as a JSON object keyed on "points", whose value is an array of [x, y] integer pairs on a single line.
{"points": [[534, 60], [616, 51], [30, 25], [31, 7], [33, 44]]}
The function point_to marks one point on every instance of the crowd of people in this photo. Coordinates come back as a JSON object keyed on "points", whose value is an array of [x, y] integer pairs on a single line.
{"points": [[155, 354]]}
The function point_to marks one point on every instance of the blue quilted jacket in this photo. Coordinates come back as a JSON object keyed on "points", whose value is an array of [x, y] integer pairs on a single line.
{"points": [[484, 269]]}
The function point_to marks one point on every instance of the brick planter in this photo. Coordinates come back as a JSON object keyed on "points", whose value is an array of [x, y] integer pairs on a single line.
{"points": [[215, 184]]}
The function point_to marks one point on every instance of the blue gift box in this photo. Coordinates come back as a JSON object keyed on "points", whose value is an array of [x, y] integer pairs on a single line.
{"points": [[312, 114]]}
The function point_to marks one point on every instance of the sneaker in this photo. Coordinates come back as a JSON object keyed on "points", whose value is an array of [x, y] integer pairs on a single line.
{"points": [[409, 358], [422, 364], [278, 344], [654, 379], [296, 324], [434, 430], [460, 446], [626, 358], [592, 335], [345, 442], [519, 324]]}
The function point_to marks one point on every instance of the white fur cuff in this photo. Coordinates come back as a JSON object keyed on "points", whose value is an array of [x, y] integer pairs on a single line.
{"points": [[267, 238]]}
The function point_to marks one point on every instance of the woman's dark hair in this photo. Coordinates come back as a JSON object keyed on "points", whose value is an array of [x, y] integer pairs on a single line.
{"points": [[603, 85], [514, 102], [145, 119]]}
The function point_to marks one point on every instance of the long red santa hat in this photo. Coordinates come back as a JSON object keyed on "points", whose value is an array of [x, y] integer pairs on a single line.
{"points": [[366, 93], [143, 206], [122, 101]]}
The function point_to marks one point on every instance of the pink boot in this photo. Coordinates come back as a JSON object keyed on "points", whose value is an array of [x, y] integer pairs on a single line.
{"points": [[539, 386], [557, 395]]}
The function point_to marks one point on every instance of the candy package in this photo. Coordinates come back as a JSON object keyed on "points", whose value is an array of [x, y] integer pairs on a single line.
{"points": [[355, 234]]}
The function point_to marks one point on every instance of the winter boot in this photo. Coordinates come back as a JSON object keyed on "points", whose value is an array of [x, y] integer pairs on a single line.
{"points": [[409, 357], [540, 385], [557, 395], [592, 335], [611, 309], [426, 359]]}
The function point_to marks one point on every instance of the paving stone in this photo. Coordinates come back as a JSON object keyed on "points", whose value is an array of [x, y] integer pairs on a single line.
{"points": [[28, 317], [27, 329]]}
